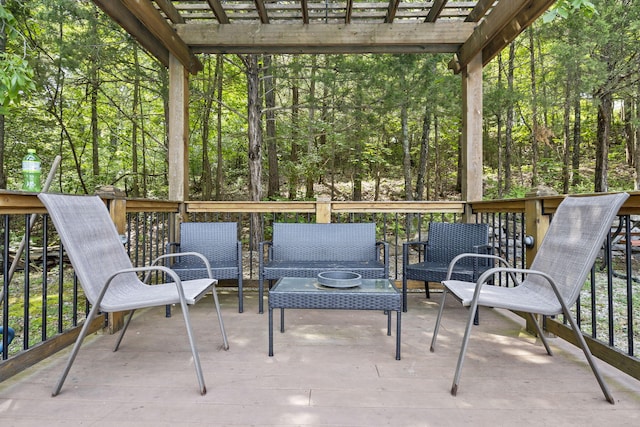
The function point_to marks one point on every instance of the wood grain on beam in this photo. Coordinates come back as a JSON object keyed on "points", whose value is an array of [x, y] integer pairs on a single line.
{"points": [[172, 13], [262, 11], [218, 11], [349, 12], [492, 24], [515, 27], [305, 11], [391, 11], [438, 37], [435, 10], [133, 26], [480, 10], [156, 24]]}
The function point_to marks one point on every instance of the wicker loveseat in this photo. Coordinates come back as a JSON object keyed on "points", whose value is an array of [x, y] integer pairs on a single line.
{"points": [[304, 250]]}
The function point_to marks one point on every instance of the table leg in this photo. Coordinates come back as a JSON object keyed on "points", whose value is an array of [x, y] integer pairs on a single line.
{"points": [[270, 331], [388, 322], [282, 320], [398, 329]]}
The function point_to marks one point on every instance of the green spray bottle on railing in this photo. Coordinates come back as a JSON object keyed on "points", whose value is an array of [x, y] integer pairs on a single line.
{"points": [[31, 171]]}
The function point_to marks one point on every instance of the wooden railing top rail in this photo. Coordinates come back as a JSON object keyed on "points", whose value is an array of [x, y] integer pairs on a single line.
{"points": [[18, 202]]}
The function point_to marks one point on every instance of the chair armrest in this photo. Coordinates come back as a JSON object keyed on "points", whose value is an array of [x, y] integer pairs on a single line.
{"points": [[407, 245], [469, 255], [415, 242], [483, 249], [172, 248], [262, 246], [512, 271], [204, 259], [239, 255], [148, 269], [384, 248]]}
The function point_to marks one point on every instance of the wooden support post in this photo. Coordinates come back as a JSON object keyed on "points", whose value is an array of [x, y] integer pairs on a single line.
{"points": [[118, 211], [536, 226], [323, 210], [178, 155], [472, 131]]}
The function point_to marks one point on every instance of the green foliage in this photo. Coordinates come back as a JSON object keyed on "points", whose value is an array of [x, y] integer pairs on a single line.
{"points": [[16, 76], [564, 8]]}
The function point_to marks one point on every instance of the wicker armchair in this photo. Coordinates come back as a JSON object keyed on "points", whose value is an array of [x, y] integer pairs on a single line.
{"points": [[445, 241], [218, 241]]}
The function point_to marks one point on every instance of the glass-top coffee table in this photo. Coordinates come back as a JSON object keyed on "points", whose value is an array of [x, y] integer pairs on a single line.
{"points": [[302, 292]]}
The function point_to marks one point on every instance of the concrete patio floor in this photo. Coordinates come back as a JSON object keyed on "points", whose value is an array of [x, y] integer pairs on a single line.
{"points": [[330, 368]]}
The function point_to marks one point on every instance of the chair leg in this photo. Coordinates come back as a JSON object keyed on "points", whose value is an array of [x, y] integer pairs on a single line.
{"points": [[426, 289], [436, 328], [194, 350], [578, 333], [260, 293], [540, 333], [225, 342], [124, 329], [404, 293], [76, 348], [240, 294], [463, 349]]}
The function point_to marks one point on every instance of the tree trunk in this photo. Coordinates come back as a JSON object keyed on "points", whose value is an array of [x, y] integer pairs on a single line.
{"points": [[273, 187], [534, 111], [209, 89], [628, 130], [508, 131], [566, 135], [424, 153], [255, 140], [135, 182], [577, 138], [94, 87], [311, 139], [602, 141], [220, 157], [406, 150], [295, 114]]}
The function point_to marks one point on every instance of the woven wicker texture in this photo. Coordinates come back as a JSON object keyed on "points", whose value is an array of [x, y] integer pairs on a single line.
{"points": [[305, 250], [218, 241], [445, 242]]}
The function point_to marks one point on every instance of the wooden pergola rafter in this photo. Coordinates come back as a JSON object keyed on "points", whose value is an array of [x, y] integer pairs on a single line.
{"points": [[474, 32]]}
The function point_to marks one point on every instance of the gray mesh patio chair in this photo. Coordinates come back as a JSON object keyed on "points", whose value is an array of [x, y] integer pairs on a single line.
{"points": [[109, 280], [552, 284], [445, 241], [218, 241]]}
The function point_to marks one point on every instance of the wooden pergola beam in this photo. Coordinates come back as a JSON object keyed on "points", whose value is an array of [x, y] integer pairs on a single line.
{"points": [[218, 11], [506, 21], [120, 14], [436, 10], [391, 11], [535, 9], [440, 37], [262, 11], [158, 26], [499, 17], [169, 9]]}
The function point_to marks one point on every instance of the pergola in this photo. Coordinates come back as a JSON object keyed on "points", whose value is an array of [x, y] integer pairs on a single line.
{"points": [[175, 31]]}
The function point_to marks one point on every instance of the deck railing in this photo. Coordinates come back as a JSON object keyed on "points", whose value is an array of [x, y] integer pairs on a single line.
{"points": [[609, 310]]}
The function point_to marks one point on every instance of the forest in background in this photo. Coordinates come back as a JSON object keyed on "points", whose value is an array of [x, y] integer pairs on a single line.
{"points": [[561, 110]]}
